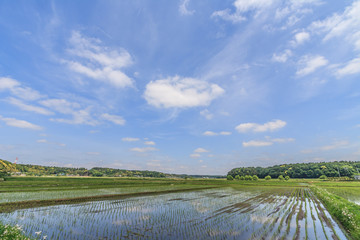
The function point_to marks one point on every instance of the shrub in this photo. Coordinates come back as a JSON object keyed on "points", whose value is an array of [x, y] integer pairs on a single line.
{"points": [[242, 178], [287, 178], [255, 178], [281, 177], [323, 177], [248, 178], [268, 177], [237, 177], [229, 177]]}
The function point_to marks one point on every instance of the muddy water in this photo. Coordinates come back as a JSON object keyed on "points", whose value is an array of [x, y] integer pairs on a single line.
{"points": [[229, 213]]}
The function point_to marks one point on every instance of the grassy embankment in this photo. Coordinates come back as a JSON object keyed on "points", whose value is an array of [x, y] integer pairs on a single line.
{"points": [[343, 210]]}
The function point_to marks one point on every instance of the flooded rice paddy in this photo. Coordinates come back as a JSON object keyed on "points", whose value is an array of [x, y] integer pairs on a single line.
{"points": [[228, 213], [350, 193]]}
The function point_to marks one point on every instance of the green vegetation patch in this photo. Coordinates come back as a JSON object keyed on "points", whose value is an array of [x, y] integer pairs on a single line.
{"points": [[8, 232], [346, 212]]}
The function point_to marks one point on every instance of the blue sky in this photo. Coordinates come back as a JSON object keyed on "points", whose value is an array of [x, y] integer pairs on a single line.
{"points": [[195, 87]]}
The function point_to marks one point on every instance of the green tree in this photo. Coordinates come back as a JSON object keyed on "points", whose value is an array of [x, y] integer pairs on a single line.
{"points": [[287, 178], [242, 178], [281, 177], [323, 177], [248, 178], [237, 177], [229, 177], [268, 177], [255, 178]]}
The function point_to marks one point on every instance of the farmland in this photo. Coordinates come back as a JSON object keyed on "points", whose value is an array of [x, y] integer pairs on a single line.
{"points": [[113, 208]]}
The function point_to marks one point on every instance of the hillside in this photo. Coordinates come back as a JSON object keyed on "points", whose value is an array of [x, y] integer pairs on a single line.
{"points": [[6, 166], [37, 170], [302, 170]]}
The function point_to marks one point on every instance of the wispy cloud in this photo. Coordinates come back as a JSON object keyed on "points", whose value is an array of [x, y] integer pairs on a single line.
{"points": [[343, 25], [130, 139], [18, 90], [207, 114], [282, 57], [150, 143], [300, 38], [27, 107], [63, 106], [241, 7], [210, 133], [255, 127], [268, 142], [143, 150], [177, 92], [201, 150], [114, 119], [13, 122], [184, 8], [351, 67], [254, 143], [98, 62], [310, 63]]}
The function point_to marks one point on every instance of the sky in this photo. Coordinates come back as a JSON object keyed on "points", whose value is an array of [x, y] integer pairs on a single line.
{"points": [[195, 87]]}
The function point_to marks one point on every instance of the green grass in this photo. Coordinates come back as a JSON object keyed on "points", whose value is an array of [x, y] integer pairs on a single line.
{"points": [[346, 212], [8, 232]]}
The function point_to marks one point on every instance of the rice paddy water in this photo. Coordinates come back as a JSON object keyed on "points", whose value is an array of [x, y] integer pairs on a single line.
{"points": [[226, 213]]}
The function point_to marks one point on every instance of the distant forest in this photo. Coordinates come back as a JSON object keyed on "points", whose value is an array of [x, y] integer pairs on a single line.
{"points": [[8, 168], [302, 170]]}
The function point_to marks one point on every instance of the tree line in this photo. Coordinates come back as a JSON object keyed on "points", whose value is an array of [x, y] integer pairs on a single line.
{"points": [[302, 170]]}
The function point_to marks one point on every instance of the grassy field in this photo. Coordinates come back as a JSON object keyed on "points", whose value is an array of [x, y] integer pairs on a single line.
{"points": [[33, 192]]}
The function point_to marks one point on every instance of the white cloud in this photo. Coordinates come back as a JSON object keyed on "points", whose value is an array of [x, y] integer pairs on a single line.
{"points": [[309, 64], [207, 114], [20, 123], [42, 141], [183, 8], [241, 7], [27, 107], [60, 105], [200, 150], [254, 143], [352, 67], [225, 133], [335, 145], [17, 90], [142, 150], [79, 116], [130, 139], [210, 133], [113, 118], [345, 25], [8, 83], [179, 92], [282, 140], [300, 38], [150, 143], [99, 62], [254, 127], [195, 155], [282, 57], [228, 16], [269, 141]]}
